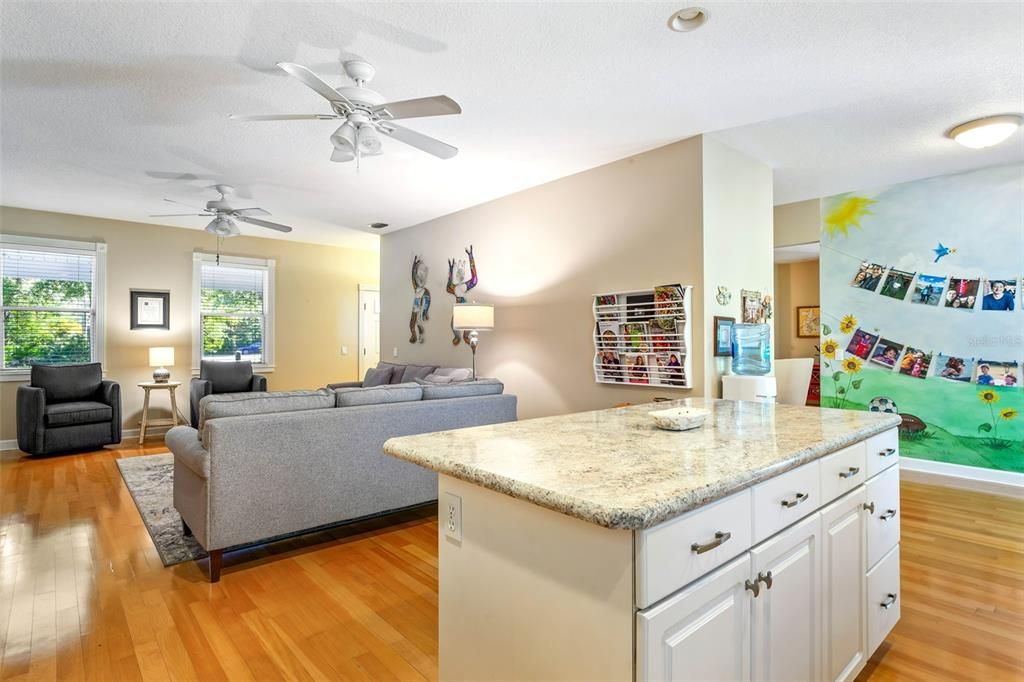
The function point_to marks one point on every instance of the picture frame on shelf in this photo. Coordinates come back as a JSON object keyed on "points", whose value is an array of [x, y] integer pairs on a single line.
{"points": [[723, 336], [150, 309], [808, 321]]}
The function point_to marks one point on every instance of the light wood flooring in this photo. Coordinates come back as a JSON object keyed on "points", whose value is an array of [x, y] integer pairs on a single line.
{"points": [[83, 594]]}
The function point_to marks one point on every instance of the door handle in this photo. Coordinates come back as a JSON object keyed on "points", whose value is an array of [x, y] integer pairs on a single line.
{"points": [[887, 452], [870, 506], [852, 471], [800, 497], [754, 587], [889, 513], [890, 599], [765, 578], [721, 537]]}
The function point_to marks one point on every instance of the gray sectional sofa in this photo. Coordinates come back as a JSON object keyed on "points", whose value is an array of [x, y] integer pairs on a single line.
{"points": [[263, 465]]}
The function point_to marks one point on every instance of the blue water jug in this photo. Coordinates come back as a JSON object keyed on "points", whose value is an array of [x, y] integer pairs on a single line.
{"points": [[751, 349]]}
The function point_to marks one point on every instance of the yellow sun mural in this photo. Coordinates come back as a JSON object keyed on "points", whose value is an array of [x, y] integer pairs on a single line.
{"points": [[846, 214]]}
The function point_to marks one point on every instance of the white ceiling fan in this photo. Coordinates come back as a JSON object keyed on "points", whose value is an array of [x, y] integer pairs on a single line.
{"points": [[224, 216], [365, 114]]}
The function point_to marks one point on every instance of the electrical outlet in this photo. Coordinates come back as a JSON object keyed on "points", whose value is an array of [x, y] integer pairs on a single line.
{"points": [[453, 516], [394, 353], [344, 350]]}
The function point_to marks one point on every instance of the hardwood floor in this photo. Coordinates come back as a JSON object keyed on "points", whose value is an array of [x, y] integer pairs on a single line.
{"points": [[83, 594]]}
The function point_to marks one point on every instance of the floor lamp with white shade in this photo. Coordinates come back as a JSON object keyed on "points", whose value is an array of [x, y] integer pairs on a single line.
{"points": [[473, 318]]}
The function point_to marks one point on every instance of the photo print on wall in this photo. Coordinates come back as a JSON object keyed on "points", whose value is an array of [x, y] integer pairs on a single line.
{"points": [[861, 344], [997, 373], [897, 284], [868, 276], [915, 363], [962, 293], [887, 353], [954, 368], [1000, 294], [928, 290]]}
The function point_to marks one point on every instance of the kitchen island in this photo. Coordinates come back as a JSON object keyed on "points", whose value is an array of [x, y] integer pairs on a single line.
{"points": [[763, 545]]}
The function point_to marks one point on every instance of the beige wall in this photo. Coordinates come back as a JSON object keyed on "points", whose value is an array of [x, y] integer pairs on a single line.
{"points": [[797, 223], [316, 302], [796, 284], [737, 240], [541, 255]]}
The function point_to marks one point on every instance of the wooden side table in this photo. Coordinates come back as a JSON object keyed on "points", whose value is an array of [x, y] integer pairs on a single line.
{"points": [[148, 386]]}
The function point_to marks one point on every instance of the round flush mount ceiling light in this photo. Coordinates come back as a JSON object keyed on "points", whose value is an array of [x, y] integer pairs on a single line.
{"points": [[378, 226], [689, 19], [985, 132]]}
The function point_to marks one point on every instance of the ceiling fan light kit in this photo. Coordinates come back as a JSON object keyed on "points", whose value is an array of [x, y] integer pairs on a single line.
{"points": [[224, 215]]}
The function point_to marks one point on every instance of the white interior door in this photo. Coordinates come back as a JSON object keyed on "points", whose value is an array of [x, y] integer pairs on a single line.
{"points": [[369, 329]]}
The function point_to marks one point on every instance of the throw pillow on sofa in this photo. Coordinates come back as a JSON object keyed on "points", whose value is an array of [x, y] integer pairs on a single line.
{"points": [[463, 389], [377, 395], [378, 376], [449, 375]]}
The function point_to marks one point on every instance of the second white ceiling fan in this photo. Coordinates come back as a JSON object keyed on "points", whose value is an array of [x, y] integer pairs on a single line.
{"points": [[366, 115]]}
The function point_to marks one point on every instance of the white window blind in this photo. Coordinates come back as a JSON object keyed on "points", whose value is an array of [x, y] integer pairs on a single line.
{"points": [[233, 312], [48, 301]]}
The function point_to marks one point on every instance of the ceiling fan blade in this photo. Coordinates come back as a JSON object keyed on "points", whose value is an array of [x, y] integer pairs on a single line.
{"points": [[419, 140], [264, 223], [283, 117], [177, 215], [441, 105], [198, 208], [315, 82], [250, 212]]}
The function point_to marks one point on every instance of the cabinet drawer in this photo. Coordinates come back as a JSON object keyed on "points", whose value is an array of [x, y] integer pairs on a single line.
{"points": [[785, 499], [883, 503], [883, 451], [883, 598], [683, 549], [842, 471]]}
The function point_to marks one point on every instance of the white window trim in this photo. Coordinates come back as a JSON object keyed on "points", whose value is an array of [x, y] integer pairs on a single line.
{"points": [[268, 264], [99, 290]]}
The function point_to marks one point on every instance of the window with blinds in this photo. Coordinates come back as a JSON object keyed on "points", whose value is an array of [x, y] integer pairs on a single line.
{"points": [[49, 306], [233, 312]]}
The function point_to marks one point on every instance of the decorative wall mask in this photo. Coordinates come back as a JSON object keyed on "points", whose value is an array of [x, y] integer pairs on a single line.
{"points": [[459, 286], [723, 296], [420, 300]]}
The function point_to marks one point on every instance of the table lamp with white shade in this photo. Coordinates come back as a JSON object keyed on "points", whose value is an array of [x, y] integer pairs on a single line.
{"points": [[474, 318], [160, 357]]}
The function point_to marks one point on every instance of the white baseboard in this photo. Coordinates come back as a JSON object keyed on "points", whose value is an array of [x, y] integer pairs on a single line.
{"points": [[1007, 483], [127, 436]]}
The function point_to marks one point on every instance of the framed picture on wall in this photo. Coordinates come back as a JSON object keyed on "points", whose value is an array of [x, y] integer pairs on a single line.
{"points": [[723, 336], [808, 321], [150, 309]]}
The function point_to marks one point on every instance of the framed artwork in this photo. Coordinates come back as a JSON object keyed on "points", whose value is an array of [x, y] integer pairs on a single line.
{"points": [[751, 306], [150, 309], [723, 336], [808, 321]]}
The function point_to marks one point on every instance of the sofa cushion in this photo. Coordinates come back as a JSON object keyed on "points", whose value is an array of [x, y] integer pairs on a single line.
{"points": [[243, 404], [68, 382], [378, 395], [227, 376], [77, 412], [449, 375], [378, 376], [463, 389], [412, 373]]}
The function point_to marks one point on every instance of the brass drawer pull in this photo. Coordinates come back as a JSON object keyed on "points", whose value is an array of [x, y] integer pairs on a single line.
{"points": [[720, 538], [890, 599], [870, 506], [889, 513], [765, 578], [800, 497], [754, 587], [852, 471], [887, 452]]}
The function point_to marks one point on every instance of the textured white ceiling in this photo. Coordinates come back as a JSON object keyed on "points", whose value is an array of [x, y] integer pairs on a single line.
{"points": [[103, 102]]}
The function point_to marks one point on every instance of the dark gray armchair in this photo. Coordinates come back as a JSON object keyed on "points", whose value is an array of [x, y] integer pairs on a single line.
{"points": [[66, 408], [222, 377]]}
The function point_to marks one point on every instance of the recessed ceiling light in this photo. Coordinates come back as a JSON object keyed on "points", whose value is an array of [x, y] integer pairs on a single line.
{"points": [[378, 226], [689, 19], [985, 132]]}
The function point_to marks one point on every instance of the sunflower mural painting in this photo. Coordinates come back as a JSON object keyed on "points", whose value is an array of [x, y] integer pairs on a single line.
{"points": [[919, 355]]}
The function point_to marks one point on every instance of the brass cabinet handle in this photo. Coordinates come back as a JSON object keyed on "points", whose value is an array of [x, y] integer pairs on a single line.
{"points": [[887, 452], [765, 578], [721, 537], [889, 513], [870, 506], [753, 587], [800, 497], [890, 599], [852, 471]]}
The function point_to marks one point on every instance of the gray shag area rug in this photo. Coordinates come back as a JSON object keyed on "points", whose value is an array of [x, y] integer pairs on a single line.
{"points": [[150, 480]]}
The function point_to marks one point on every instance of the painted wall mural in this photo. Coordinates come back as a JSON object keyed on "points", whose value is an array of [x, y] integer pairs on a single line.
{"points": [[420, 301], [459, 285], [921, 313]]}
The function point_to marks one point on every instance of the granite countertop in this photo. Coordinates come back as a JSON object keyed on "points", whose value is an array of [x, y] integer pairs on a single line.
{"points": [[614, 468]]}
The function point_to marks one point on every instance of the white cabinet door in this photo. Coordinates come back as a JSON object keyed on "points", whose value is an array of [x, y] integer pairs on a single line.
{"points": [[786, 625], [701, 632], [843, 586]]}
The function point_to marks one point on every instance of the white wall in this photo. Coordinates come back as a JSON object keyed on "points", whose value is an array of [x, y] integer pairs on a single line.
{"points": [[798, 223]]}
